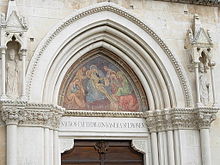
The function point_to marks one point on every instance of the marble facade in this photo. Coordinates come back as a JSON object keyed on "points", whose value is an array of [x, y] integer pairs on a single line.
{"points": [[168, 50]]}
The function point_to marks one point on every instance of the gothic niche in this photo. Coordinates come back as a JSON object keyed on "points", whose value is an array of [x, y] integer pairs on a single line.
{"points": [[12, 69], [204, 82], [98, 82]]}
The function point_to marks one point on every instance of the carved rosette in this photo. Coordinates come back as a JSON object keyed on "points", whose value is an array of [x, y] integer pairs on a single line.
{"points": [[191, 118], [21, 113]]}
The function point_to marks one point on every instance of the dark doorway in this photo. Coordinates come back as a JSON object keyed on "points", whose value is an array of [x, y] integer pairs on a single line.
{"points": [[102, 152]]}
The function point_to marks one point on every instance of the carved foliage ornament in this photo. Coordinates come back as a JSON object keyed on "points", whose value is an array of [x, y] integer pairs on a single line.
{"points": [[31, 114], [163, 120]]}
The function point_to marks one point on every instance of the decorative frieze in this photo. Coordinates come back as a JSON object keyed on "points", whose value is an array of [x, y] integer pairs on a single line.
{"points": [[22, 113], [83, 113], [47, 115], [193, 118]]}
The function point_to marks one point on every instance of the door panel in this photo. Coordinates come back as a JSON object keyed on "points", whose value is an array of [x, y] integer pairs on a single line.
{"points": [[102, 152]]}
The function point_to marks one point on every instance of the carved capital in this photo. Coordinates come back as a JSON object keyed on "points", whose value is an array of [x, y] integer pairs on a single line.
{"points": [[23, 113], [10, 115], [189, 118], [151, 121], [205, 118]]}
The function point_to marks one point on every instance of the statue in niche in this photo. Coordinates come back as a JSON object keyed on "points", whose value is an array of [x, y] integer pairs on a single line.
{"points": [[12, 74], [204, 84]]}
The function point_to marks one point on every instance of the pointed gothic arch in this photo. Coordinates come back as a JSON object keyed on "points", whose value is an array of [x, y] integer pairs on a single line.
{"points": [[111, 27]]}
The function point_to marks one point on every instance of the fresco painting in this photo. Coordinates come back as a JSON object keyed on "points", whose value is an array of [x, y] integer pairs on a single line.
{"points": [[100, 84]]}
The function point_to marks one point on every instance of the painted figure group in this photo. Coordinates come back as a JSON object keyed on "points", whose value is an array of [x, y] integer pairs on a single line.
{"points": [[100, 89]]}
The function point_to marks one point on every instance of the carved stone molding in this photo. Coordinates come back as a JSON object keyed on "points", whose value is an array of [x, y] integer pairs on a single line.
{"points": [[66, 144], [10, 115], [83, 113], [205, 118], [140, 145], [190, 118], [22, 113]]}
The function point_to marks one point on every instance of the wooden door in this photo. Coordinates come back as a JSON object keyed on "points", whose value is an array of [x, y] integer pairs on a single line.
{"points": [[102, 152]]}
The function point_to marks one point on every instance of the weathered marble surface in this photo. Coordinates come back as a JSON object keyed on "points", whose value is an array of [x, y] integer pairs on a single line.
{"points": [[169, 21]]}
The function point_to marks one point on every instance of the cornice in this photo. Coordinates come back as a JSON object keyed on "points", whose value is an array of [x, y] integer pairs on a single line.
{"points": [[82, 113], [214, 3]]}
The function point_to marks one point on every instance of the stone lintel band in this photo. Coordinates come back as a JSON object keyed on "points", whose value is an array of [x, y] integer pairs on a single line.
{"points": [[47, 115]]}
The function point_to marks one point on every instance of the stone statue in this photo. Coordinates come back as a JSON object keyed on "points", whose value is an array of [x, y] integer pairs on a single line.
{"points": [[203, 84], [12, 74]]}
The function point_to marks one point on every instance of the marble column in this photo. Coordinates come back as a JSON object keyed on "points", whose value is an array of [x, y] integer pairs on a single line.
{"points": [[177, 147], [51, 148], [198, 102], [154, 149], [3, 53], [205, 146], [161, 148], [23, 57], [46, 146], [59, 151], [170, 147], [12, 144], [56, 147], [212, 64]]}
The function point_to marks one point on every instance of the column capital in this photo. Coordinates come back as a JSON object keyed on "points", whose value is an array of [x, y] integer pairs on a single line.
{"points": [[10, 115], [180, 118], [23, 113], [205, 118]]}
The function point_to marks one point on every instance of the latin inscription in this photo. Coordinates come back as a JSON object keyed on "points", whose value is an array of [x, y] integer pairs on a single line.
{"points": [[88, 124]]}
